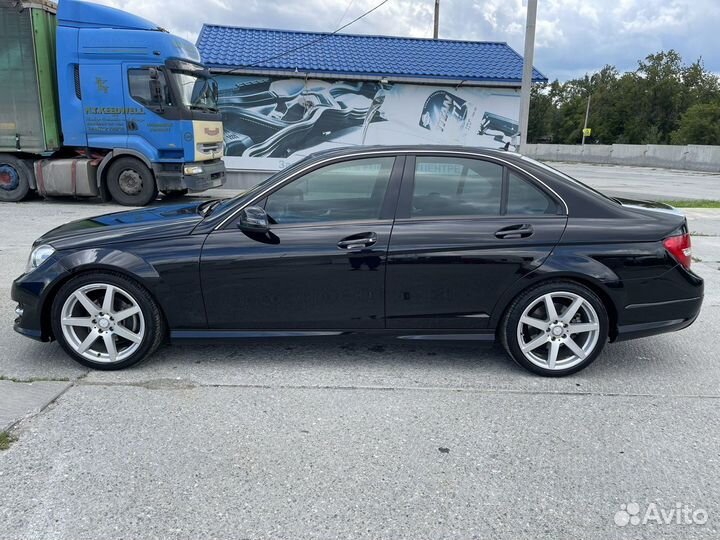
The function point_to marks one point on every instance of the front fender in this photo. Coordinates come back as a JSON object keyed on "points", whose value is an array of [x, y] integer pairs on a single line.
{"points": [[35, 290]]}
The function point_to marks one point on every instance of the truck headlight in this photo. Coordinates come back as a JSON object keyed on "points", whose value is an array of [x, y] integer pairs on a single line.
{"points": [[193, 169], [38, 256]]}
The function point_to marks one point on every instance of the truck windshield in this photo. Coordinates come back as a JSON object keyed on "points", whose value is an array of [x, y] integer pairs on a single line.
{"points": [[196, 90]]}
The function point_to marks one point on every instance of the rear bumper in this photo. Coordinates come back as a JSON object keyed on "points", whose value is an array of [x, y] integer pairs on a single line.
{"points": [[170, 177], [665, 304], [662, 316]]}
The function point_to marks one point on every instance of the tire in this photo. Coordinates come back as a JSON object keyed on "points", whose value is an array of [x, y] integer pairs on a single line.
{"points": [[15, 177], [131, 182], [143, 321], [547, 336]]}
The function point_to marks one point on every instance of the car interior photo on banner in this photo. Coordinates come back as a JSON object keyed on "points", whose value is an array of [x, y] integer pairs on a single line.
{"points": [[270, 122]]}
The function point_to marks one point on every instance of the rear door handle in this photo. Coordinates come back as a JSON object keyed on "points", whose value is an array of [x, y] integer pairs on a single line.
{"points": [[358, 241], [521, 230]]}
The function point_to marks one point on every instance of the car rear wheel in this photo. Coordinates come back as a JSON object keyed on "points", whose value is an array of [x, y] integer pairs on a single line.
{"points": [[106, 321], [555, 329]]}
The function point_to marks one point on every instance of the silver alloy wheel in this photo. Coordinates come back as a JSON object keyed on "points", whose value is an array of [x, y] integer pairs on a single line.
{"points": [[130, 182], [102, 323], [558, 330]]}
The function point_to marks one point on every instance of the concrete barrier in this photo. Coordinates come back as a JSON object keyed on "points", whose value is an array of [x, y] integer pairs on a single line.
{"points": [[692, 157]]}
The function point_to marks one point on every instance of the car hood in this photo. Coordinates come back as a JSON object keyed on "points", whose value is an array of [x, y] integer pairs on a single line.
{"points": [[146, 223]]}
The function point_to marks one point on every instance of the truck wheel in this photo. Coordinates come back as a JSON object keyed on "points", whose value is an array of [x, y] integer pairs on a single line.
{"points": [[131, 182], [14, 179]]}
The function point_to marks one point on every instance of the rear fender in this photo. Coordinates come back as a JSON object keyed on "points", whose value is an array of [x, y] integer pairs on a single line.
{"points": [[598, 277]]}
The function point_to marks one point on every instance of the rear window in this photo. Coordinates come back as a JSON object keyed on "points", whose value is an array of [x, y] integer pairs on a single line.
{"points": [[525, 198]]}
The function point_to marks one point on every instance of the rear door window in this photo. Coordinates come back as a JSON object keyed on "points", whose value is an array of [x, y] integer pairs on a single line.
{"points": [[453, 186]]}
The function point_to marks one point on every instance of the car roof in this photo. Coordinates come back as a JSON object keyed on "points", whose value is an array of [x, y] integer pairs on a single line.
{"points": [[410, 148]]}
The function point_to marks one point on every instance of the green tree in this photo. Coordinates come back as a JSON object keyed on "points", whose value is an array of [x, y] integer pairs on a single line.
{"points": [[699, 125], [648, 105]]}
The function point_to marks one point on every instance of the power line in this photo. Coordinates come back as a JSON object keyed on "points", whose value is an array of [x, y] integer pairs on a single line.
{"points": [[356, 19], [347, 8]]}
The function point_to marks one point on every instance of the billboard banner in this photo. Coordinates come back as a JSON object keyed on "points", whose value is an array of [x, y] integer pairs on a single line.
{"points": [[271, 122]]}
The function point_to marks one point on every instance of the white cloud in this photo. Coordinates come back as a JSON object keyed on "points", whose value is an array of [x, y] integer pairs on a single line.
{"points": [[572, 36]]}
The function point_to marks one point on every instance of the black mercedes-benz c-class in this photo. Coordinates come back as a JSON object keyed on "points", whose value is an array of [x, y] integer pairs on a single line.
{"points": [[418, 242]]}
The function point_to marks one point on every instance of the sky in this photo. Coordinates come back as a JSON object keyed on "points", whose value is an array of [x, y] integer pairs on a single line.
{"points": [[573, 37]]}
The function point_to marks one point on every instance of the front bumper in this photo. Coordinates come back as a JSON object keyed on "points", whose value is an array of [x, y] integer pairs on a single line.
{"points": [[29, 324], [170, 176]]}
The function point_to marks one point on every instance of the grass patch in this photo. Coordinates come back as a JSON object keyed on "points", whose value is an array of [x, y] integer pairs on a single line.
{"points": [[700, 203], [6, 440]]}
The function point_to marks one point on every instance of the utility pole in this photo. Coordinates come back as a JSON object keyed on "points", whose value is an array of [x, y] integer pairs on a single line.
{"points": [[587, 114], [527, 72], [437, 19]]}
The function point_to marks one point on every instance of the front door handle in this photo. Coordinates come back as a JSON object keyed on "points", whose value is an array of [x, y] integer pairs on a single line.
{"points": [[521, 230], [358, 241]]}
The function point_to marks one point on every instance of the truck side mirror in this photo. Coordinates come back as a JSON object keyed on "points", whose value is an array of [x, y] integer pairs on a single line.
{"points": [[156, 93]]}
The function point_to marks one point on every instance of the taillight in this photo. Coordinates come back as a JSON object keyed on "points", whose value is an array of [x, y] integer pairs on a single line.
{"points": [[680, 247]]}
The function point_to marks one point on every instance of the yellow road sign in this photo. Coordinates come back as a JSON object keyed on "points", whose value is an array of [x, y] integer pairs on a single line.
{"points": [[587, 132]]}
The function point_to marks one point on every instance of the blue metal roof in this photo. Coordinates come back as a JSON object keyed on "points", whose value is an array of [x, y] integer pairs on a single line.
{"points": [[259, 50]]}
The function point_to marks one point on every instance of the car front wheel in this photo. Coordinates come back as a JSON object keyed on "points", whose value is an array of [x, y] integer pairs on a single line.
{"points": [[106, 321], [555, 329]]}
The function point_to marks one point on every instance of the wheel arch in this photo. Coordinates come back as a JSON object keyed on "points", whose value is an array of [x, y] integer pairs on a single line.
{"points": [[111, 156], [596, 286], [143, 276]]}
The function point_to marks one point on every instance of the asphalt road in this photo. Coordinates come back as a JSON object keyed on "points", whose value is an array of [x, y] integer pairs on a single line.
{"points": [[645, 182], [359, 439]]}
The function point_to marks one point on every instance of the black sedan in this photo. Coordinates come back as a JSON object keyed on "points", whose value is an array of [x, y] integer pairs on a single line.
{"points": [[414, 242]]}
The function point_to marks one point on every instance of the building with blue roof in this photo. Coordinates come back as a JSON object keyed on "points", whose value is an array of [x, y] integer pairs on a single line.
{"points": [[443, 61], [285, 94]]}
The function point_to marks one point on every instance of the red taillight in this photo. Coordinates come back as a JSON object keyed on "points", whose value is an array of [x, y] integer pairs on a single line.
{"points": [[680, 247]]}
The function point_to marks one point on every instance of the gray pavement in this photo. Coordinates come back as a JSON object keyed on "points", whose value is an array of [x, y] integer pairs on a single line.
{"points": [[19, 400], [353, 439]]}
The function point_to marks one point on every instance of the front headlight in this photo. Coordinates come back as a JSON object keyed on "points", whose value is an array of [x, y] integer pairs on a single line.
{"points": [[38, 256], [193, 169]]}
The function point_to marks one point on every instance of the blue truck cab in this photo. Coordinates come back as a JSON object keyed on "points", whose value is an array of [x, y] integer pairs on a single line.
{"points": [[137, 111]]}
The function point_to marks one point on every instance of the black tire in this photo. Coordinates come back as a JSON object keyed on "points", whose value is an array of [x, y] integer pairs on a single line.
{"points": [[131, 182], [154, 322], [15, 177], [508, 331]]}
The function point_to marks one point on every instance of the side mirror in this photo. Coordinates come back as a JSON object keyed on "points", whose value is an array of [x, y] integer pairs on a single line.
{"points": [[254, 219], [156, 91]]}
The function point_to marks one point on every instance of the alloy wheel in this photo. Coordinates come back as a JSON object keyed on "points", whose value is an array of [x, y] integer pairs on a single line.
{"points": [[558, 330], [102, 323]]}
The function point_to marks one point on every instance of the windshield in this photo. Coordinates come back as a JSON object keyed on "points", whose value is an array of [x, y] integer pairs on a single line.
{"points": [[197, 91]]}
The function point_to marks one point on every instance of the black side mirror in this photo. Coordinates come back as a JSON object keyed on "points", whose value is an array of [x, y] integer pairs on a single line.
{"points": [[156, 93], [254, 219]]}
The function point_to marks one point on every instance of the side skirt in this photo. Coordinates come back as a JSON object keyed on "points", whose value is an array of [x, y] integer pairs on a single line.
{"points": [[404, 334]]}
